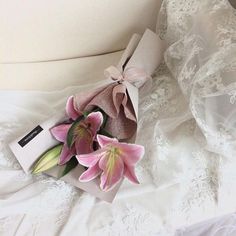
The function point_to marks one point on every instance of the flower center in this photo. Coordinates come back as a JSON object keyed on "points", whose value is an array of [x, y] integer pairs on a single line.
{"points": [[112, 153], [83, 131]]}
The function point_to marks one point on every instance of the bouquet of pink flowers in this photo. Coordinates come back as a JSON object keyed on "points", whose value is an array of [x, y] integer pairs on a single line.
{"points": [[92, 147], [85, 141]]}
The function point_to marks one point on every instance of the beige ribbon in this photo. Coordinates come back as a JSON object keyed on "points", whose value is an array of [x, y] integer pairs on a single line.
{"points": [[133, 75]]}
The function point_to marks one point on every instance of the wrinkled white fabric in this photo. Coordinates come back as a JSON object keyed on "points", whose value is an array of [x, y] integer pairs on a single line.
{"points": [[220, 226], [187, 125]]}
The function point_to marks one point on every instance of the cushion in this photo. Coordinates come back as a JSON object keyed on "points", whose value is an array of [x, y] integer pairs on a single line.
{"points": [[58, 29], [48, 45]]}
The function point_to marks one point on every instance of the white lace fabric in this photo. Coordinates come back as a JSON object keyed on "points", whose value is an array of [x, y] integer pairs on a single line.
{"points": [[187, 125]]}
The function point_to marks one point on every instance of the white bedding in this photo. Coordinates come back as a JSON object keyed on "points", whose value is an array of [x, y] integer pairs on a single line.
{"points": [[186, 124]]}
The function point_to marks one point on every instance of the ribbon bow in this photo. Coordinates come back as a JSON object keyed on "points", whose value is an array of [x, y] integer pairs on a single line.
{"points": [[135, 76]]}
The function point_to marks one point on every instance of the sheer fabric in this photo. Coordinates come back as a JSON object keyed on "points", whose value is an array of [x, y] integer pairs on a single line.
{"points": [[187, 124]]}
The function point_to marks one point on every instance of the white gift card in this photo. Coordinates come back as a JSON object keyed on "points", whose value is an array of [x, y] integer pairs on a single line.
{"points": [[30, 146]]}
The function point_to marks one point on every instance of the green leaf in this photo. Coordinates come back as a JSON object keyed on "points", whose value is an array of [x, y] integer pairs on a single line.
{"points": [[48, 160], [86, 113], [70, 135], [70, 165]]}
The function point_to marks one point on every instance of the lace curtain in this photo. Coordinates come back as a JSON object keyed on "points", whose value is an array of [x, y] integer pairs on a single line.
{"points": [[201, 57]]}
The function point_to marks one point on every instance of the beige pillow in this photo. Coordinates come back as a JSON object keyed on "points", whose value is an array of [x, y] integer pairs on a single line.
{"points": [[42, 31]]}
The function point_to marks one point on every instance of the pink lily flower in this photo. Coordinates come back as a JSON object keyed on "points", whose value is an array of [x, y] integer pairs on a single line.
{"points": [[113, 161], [70, 109], [83, 136]]}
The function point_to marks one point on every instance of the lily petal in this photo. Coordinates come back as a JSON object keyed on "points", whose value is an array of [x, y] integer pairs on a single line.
{"points": [[60, 132], [113, 169], [130, 174], [131, 153], [95, 120], [66, 154], [90, 159], [70, 109], [90, 174], [83, 145], [104, 140]]}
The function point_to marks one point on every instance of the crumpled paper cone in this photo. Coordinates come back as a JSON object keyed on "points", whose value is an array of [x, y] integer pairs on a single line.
{"points": [[119, 98]]}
